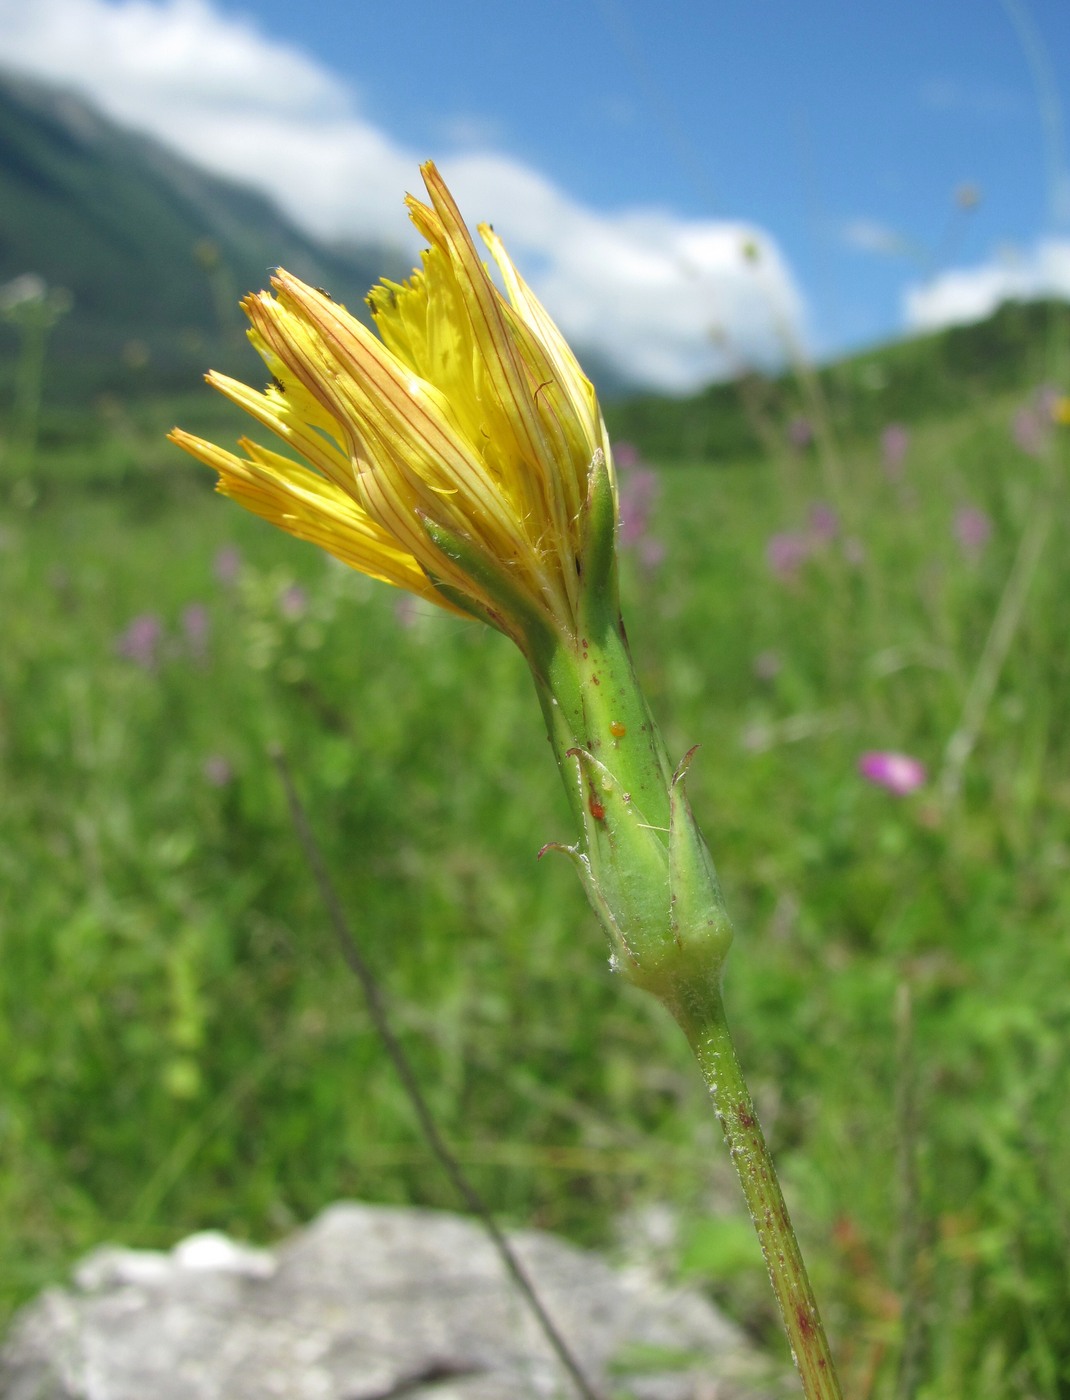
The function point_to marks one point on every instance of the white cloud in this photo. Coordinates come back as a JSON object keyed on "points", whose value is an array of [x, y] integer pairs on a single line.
{"points": [[672, 302], [969, 294]]}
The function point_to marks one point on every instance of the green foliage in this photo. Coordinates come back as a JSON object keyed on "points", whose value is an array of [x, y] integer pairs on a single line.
{"points": [[183, 1049], [925, 378]]}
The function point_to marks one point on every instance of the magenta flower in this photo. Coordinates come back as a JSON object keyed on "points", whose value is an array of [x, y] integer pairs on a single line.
{"points": [[767, 665], [787, 552], [140, 641], [1029, 431], [626, 456], [293, 602], [217, 771], [651, 553], [854, 551], [824, 523], [895, 443], [1048, 398], [897, 772], [973, 530], [800, 433], [637, 491], [196, 625], [406, 610], [1032, 424], [228, 564]]}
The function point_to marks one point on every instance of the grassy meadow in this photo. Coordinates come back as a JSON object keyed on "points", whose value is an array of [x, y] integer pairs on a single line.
{"points": [[182, 1047]]}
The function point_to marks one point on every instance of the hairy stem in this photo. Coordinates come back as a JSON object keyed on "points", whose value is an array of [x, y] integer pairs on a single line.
{"points": [[706, 1027], [650, 879]]}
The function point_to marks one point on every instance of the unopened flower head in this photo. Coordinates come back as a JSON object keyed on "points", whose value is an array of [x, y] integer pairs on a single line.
{"points": [[453, 455], [460, 455]]}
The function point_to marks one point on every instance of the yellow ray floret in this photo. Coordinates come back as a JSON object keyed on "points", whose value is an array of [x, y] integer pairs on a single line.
{"points": [[297, 500], [466, 419]]}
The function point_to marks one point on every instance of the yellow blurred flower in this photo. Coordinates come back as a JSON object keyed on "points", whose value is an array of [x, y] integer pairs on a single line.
{"points": [[452, 455], [1060, 410]]}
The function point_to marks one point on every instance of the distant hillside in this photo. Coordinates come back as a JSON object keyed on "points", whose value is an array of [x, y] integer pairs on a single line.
{"points": [[924, 377], [154, 251]]}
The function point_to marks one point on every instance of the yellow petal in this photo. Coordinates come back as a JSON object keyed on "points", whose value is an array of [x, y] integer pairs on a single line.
{"points": [[453, 446], [305, 505]]}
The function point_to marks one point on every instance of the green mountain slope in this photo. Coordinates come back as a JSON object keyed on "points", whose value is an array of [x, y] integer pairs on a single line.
{"points": [[1019, 347], [154, 251]]}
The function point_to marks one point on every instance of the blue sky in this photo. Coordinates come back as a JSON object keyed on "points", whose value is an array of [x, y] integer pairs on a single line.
{"points": [[806, 118], [596, 132]]}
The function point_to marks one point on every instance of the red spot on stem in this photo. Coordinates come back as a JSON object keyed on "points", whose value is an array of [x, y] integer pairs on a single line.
{"points": [[597, 810], [746, 1120], [805, 1321]]}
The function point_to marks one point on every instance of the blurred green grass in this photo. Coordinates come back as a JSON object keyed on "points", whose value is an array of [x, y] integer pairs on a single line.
{"points": [[182, 1048]]}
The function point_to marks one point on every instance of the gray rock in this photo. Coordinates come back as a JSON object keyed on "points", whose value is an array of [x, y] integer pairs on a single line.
{"points": [[368, 1302]]}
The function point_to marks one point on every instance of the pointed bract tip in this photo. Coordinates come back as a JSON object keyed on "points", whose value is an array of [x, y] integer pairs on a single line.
{"points": [[681, 770]]}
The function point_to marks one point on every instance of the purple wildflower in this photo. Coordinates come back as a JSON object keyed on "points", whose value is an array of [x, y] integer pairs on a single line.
{"points": [[651, 553], [293, 602], [895, 443], [228, 565], [973, 530], [406, 610], [1048, 399], [897, 772], [140, 641], [1032, 424], [824, 523], [787, 552], [626, 456], [768, 665], [854, 551], [1029, 431], [637, 491], [800, 433], [217, 770], [196, 625]]}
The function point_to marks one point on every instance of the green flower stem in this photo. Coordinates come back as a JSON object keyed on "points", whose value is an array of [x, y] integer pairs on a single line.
{"points": [[701, 1015], [650, 880]]}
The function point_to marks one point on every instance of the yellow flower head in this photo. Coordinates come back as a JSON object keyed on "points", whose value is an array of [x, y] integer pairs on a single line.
{"points": [[455, 455]]}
